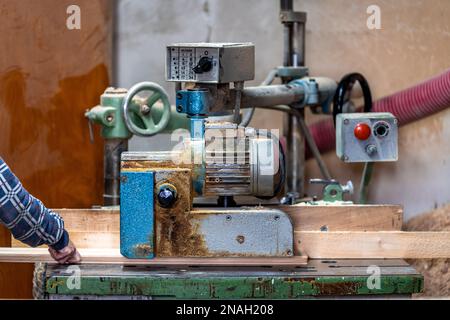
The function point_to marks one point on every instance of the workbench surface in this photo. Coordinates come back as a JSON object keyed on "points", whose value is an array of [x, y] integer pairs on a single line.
{"points": [[318, 279]]}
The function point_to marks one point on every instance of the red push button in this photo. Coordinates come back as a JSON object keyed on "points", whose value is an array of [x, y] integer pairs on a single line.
{"points": [[362, 131]]}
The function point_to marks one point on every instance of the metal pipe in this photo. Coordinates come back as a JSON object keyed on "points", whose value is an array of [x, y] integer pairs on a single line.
{"points": [[112, 151], [313, 147], [248, 113], [272, 95], [309, 140], [237, 106]]}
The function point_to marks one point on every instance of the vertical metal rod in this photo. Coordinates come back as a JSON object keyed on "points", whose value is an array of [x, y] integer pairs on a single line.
{"points": [[365, 181], [294, 56], [286, 5], [295, 45], [296, 150], [302, 43], [239, 86], [286, 45], [112, 152]]}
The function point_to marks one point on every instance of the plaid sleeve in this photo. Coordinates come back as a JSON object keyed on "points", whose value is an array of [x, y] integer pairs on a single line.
{"points": [[26, 217]]}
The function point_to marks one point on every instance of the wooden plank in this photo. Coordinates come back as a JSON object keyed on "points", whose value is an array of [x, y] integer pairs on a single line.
{"points": [[99, 240], [91, 220], [99, 228], [113, 256], [304, 217], [346, 217], [373, 245]]}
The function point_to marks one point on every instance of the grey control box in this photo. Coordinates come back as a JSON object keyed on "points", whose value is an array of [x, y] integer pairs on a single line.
{"points": [[367, 137], [210, 62]]}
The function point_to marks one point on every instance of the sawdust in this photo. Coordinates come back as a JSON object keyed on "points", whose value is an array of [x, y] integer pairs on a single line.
{"points": [[435, 271], [177, 235]]}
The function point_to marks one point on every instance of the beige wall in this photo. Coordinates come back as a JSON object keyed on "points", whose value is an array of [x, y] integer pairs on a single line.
{"points": [[413, 45]]}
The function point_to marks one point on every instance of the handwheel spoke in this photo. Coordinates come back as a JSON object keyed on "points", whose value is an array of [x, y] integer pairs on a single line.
{"points": [[153, 98], [148, 122]]}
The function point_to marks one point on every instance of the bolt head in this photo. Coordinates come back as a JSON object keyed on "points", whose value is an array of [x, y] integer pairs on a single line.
{"points": [[240, 239], [145, 109], [167, 196]]}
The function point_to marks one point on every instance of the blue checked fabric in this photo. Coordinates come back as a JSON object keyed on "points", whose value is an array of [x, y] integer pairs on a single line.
{"points": [[26, 217]]}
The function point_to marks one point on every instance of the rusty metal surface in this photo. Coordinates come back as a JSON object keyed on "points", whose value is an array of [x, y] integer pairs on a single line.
{"points": [[257, 232], [176, 233], [317, 279]]}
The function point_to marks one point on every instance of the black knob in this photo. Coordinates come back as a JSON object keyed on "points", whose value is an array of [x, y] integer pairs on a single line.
{"points": [[205, 64], [167, 195]]}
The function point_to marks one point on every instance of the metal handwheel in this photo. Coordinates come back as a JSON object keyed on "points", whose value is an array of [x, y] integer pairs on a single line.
{"points": [[137, 113]]}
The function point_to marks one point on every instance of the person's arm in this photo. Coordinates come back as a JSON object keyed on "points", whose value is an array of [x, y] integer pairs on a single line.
{"points": [[30, 221]]}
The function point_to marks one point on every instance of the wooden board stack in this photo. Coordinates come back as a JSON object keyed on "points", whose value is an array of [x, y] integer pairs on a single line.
{"points": [[321, 232]]}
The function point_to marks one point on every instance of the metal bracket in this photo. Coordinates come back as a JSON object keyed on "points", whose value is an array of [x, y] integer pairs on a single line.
{"points": [[293, 16], [246, 232], [292, 72], [137, 215], [333, 191]]}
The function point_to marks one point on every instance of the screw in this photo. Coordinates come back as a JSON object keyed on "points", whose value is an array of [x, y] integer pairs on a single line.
{"points": [[240, 239], [346, 158], [288, 252], [110, 118], [180, 108], [346, 121], [371, 149], [277, 218], [228, 218]]}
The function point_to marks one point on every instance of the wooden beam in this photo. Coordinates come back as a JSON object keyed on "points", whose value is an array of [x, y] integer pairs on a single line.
{"points": [[89, 239], [113, 256], [304, 218], [100, 227], [373, 245], [345, 217]]}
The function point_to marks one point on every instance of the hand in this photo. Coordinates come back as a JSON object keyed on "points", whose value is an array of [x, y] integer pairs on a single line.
{"points": [[67, 255]]}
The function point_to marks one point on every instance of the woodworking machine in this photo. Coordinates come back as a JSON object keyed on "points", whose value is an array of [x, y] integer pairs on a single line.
{"points": [[227, 189], [221, 157]]}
